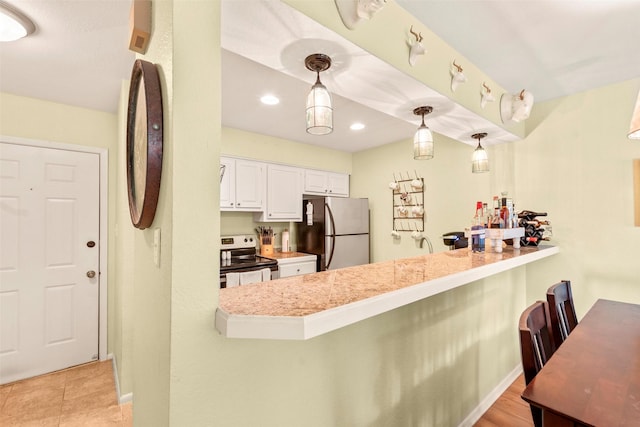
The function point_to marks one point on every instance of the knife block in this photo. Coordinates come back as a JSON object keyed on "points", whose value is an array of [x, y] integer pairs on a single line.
{"points": [[266, 250]]}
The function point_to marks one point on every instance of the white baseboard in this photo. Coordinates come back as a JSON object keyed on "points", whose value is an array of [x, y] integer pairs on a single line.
{"points": [[490, 399], [122, 398]]}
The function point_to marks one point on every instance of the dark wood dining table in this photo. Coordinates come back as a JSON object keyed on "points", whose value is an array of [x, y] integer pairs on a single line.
{"points": [[593, 378]]}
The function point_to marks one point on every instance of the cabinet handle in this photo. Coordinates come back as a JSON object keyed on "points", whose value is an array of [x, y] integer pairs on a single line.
{"points": [[238, 204], [231, 203]]}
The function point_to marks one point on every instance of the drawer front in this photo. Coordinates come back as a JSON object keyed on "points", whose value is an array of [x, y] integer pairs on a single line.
{"points": [[297, 269]]}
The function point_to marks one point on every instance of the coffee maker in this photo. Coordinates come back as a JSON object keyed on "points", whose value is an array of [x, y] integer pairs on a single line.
{"points": [[455, 240]]}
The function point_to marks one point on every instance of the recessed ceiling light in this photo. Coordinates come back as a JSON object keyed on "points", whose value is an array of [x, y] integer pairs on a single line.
{"points": [[356, 126], [270, 100], [13, 24]]}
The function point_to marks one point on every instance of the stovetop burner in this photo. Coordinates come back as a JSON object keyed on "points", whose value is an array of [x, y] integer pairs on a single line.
{"points": [[243, 255]]}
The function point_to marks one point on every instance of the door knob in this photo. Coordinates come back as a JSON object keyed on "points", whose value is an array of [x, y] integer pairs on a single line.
{"points": [[91, 274], [91, 243]]}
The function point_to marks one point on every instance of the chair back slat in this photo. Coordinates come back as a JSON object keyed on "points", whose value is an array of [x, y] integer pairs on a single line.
{"points": [[563, 313], [536, 340], [536, 345]]}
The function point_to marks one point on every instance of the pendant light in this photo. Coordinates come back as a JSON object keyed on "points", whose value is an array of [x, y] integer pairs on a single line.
{"points": [[480, 160], [423, 139], [319, 109], [13, 24]]}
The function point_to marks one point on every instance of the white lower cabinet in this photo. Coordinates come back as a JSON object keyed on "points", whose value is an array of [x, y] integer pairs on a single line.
{"points": [[297, 266]]}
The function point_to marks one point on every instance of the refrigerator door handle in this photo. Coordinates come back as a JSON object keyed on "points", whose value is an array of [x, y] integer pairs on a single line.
{"points": [[333, 235]]}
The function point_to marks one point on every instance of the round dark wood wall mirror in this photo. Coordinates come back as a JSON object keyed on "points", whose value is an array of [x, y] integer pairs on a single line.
{"points": [[144, 143]]}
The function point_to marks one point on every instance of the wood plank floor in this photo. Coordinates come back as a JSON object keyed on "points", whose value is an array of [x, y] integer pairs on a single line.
{"points": [[509, 410]]}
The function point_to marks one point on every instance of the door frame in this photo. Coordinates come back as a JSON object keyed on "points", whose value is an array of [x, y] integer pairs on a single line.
{"points": [[103, 155]]}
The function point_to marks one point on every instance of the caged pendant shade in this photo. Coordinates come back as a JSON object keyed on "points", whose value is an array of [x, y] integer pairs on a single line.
{"points": [[479, 160], [319, 107], [423, 138]]}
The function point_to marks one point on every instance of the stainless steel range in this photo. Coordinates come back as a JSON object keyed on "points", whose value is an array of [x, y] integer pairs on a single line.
{"points": [[238, 255]]}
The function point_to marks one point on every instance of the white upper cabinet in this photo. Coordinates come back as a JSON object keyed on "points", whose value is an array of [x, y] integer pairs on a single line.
{"points": [[242, 186], [326, 183], [273, 191], [284, 194], [227, 183]]}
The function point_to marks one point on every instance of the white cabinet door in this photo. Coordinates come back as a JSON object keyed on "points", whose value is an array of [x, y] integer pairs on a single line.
{"points": [[326, 183], [338, 184], [297, 269], [284, 193], [250, 178], [315, 182], [242, 186], [227, 183]]}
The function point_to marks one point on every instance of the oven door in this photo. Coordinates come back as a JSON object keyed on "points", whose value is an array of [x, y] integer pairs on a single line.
{"points": [[223, 273]]}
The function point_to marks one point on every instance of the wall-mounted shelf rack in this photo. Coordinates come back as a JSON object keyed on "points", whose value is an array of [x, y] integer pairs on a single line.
{"points": [[408, 204]]}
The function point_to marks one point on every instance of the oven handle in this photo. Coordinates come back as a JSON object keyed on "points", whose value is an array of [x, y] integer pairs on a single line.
{"points": [[275, 274]]}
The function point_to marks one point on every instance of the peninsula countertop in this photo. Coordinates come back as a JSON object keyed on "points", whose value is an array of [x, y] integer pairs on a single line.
{"points": [[302, 307]]}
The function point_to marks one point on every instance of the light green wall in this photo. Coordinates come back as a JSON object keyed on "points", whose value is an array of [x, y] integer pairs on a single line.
{"points": [[239, 143], [576, 164], [121, 291], [195, 353], [146, 323], [450, 192]]}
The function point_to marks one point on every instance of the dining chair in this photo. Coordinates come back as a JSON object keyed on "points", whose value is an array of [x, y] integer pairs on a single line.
{"points": [[561, 311], [536, 345]]}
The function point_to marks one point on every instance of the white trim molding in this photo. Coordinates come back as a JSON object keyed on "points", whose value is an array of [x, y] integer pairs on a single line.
{"points": [[491, 398]]}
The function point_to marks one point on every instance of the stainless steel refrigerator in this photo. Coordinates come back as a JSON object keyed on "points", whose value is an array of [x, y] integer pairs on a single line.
{"points": [[337, 230]]}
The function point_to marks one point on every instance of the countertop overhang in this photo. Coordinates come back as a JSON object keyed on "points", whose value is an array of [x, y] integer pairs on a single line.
{"points": [[303, 307]]}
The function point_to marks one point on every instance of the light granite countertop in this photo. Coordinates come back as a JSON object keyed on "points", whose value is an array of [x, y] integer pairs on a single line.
{"points": [[289, 256], [302, 307]]}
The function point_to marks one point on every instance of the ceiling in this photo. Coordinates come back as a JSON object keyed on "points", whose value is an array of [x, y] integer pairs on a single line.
{"points": [[78, 56]]}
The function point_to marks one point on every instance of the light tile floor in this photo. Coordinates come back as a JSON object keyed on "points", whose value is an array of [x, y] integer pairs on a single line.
{"points": [[80, 396]]}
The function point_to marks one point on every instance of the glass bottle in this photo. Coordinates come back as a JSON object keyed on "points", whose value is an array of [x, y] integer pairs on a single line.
{"points": [[477, 230]]}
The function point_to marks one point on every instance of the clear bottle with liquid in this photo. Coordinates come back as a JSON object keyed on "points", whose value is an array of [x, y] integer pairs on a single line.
{"points": [[477, 230], [495, 218]]}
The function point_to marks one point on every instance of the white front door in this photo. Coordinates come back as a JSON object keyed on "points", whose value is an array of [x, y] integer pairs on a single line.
{"points": [[49, 259]]}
